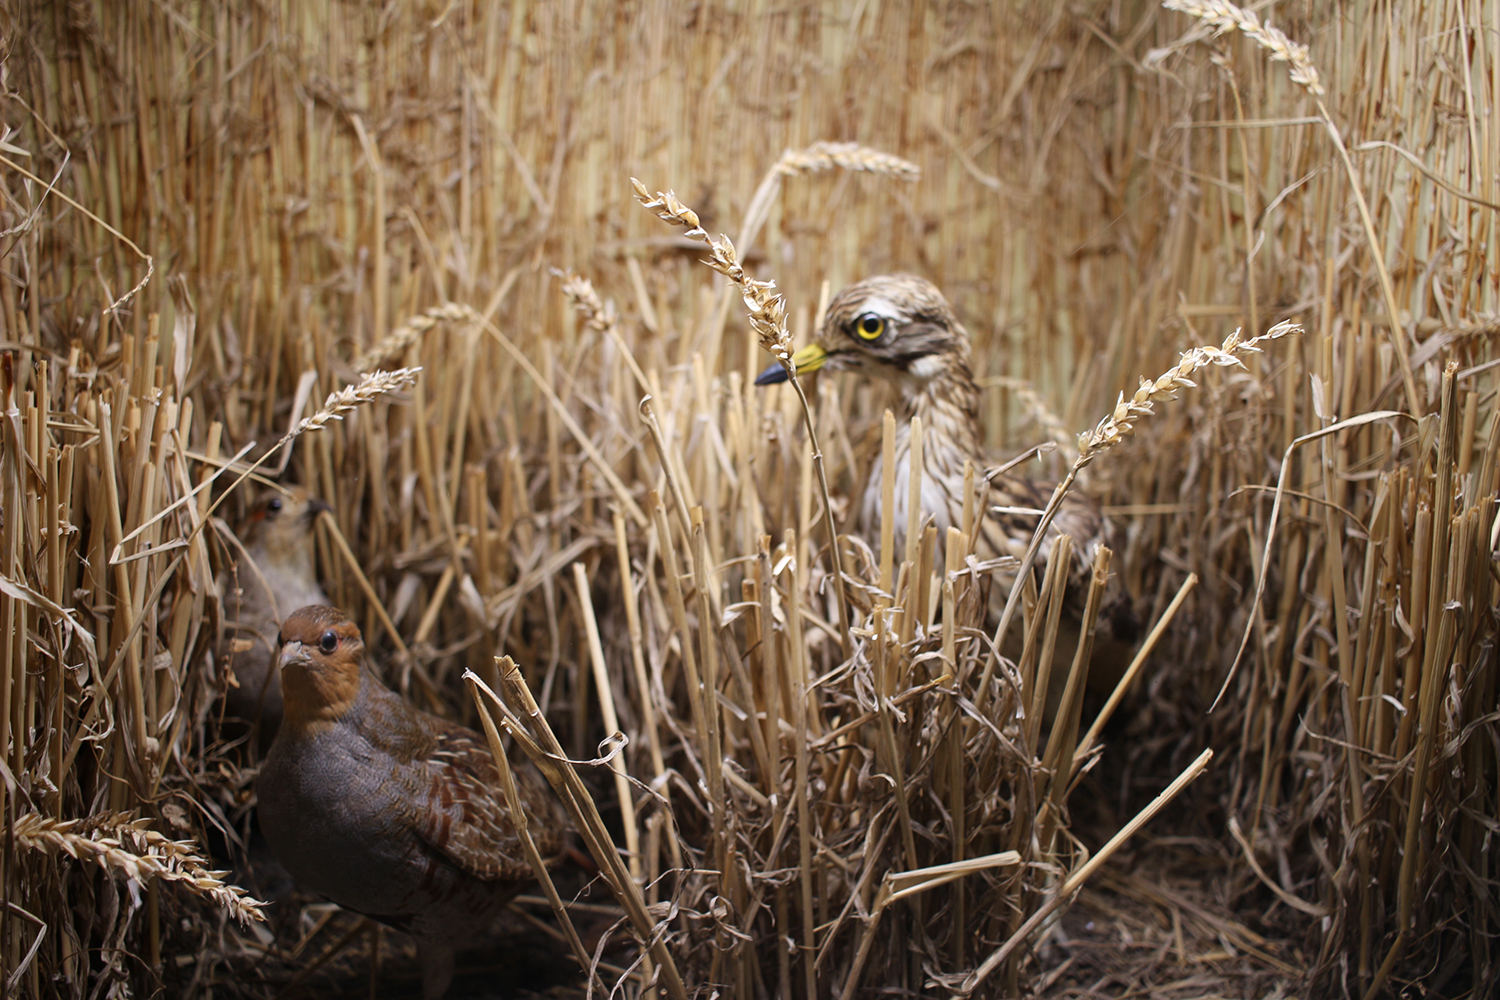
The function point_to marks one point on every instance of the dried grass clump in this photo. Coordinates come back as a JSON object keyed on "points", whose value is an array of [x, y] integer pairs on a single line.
{"points": [[213, 216]]}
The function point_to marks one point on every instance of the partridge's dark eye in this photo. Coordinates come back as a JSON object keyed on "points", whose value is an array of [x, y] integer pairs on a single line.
{"points": [[273, 505], [329, 642], [869, 326]]}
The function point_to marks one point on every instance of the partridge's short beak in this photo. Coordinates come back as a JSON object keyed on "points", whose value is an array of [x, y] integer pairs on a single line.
{"points": [[316, 507], [809, 359], [292, 652]]}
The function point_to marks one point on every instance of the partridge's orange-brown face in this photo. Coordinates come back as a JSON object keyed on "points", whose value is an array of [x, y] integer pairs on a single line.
{"points": [[282, 516], [322, 654]]}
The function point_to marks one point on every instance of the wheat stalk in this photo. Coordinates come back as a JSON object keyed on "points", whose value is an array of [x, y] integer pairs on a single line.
{"points": [[1120, 423], [122, 842], [371, 384], [818, 157], [1224, 17], [767, 312], [580, 292], [1114, 428], [120, 302], [847, 156], [766, 308], [600, 315], [409, 332]]}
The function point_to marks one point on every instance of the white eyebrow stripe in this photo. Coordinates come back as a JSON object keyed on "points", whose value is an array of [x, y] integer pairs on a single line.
{"points": [[879, 306]]}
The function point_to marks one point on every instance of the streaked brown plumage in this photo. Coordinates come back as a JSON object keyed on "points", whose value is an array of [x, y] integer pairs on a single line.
{"points": [[900, 328], [279, 578], [388, 810]]}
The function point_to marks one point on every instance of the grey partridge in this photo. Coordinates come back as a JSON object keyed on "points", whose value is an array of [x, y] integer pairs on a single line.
{"points": [[900, 328], [388, 810], [279, 577]]}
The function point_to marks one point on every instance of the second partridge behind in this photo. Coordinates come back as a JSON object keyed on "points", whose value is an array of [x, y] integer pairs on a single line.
{"points": [[280, 577]]}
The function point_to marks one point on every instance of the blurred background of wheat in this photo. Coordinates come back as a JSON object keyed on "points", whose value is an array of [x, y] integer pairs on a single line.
{"points": [[217, 214]]}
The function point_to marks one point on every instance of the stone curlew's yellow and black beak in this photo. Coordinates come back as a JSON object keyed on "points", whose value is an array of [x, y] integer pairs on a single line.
{"points": [[809, 359]]}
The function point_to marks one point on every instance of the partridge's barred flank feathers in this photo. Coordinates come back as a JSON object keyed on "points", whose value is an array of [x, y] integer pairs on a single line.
{"points": [[279, 578], [900, 328], [388, 810]]}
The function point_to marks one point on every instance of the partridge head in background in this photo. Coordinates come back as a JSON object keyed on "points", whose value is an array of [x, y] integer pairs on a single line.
{"points": [[279, 578], [387, 810], [900, 328]]}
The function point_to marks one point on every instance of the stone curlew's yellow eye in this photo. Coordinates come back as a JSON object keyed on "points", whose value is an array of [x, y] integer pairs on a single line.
{"points": [[869, 326]]}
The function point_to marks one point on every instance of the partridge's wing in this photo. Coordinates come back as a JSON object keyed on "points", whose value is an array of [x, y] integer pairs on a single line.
{"points": [[467, 819]]}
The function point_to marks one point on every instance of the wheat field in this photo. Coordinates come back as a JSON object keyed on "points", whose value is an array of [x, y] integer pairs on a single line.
{"points": [[489, 279]]}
